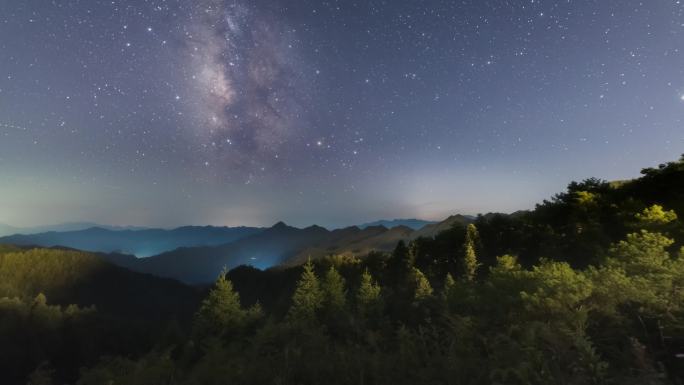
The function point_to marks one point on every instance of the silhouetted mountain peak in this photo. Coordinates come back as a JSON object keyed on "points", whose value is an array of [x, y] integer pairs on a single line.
{"points": [[280, 225], [347, 230], [412, 223], [377, 228], [402, 228], [315, 228]]}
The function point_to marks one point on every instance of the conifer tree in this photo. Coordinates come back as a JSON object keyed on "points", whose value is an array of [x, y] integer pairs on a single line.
{"points": [[399, 265], [220, 312], [307, 298], [334, 292], [449, 287], [422, 287], [470, 263], [369, 291], [368, 298]]}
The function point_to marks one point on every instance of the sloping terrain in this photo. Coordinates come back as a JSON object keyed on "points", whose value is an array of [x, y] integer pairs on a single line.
{"points": [[142, 243], [85, 279], [281, 244]]}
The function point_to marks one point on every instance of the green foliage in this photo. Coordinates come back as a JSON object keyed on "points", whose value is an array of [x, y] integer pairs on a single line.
{"points": [[641, 253], [586, 197], [308, 297], [450, 289], [220, 313], [67, 276], [34, 333], [422, 289], [470, 263], [560, 295], [586, 289], [655, 214], [334, 291], [368, 298], [399, 264], [547, 324]]}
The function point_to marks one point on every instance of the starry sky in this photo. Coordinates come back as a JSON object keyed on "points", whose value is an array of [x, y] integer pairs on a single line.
{"points": [[229, 112]]}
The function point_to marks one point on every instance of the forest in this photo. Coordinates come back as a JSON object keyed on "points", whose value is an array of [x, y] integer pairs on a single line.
{"points": [[587, 288]]}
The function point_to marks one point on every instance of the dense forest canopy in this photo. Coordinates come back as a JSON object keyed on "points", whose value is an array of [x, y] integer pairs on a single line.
{"points": [[587, 288]]}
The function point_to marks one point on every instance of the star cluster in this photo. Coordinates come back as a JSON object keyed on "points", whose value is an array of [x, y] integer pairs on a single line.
{"points": [[165, 112]]}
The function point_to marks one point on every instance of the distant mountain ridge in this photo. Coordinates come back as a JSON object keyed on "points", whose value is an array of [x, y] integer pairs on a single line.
{"points": [[279, 245], [196, 255], [433, 229], [6, 229], [412, 223], [141, 243]]}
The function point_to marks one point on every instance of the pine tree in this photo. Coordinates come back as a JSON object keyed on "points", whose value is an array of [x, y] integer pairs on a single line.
{"points": [[399, 265], [449, 287], [422, 288], [470, 263], [369, 291], [368, 297], [307, 298], [334, 292], [220, 312]]}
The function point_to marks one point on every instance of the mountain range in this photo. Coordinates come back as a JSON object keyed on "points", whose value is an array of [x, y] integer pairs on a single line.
{"points": [[281, 245], [414, 224], [6, 229], [197, 255], [141, 243]]}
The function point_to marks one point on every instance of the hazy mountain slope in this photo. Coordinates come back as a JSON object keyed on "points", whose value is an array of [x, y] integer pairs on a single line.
{"points": [[75, 277], [137, 242], [355, 243], [432, 230], [280, 244], [414, 224], [203, 264], [60, 227], [7, 230]]}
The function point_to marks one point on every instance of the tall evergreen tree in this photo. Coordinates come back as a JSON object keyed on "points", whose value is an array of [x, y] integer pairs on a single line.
{"points": [[399, 265], [470, 263], [422, 288], [334, 291], [220, 312], [368, 300], [449, 288], [307, 298]]}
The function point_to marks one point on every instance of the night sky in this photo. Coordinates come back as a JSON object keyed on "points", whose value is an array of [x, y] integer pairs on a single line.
{"points": [[163, 113]]}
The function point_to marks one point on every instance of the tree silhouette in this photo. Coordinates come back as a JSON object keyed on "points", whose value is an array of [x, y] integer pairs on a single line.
{"points": [[307, 298], [470, 263]]}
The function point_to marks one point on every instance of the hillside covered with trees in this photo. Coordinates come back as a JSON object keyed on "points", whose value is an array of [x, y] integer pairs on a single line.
{"points": [[67, 308], [588, 288]]}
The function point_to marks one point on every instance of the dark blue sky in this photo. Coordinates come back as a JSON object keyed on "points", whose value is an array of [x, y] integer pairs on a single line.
{"points": [[330, 112]]}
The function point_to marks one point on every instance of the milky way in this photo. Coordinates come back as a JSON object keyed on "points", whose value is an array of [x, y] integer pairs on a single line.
{"points": [[169, 112], [246, 80]]}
